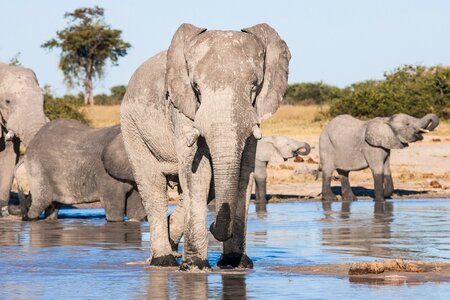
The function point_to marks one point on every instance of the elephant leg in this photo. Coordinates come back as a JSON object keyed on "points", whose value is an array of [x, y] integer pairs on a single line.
{"points": [[114, 203], [195, 254], [260, 181], [51, 212], [9, 154], [40, 189], [134, 209], [388, 183], [327, 193], [234, 253], [347, 194], [378, 180], [152, 186], [176, 224]]}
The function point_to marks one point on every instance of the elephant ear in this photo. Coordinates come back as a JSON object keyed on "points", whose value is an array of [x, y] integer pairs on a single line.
{"points": [[276, 70], [380, 134], [178, 87], [267, 151], [115, 160]]}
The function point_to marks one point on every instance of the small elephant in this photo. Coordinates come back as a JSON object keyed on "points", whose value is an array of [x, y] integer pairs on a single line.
{"points": [[65, 164], [274, 149], [348, 144], [194, 112], [21, 116]]}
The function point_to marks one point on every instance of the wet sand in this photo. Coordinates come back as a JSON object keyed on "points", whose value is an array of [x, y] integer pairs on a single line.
{"points": [[435, 272]]}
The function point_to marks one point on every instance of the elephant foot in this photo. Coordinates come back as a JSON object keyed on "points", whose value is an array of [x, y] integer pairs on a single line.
{"points": [[195, 264], [164, 261], [349, 198], [15, 210], [329, 197], [379, 200], [235, 260]]}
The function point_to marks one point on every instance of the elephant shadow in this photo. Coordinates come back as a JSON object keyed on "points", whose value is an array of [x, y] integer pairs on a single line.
{"points": [[360, 191]]}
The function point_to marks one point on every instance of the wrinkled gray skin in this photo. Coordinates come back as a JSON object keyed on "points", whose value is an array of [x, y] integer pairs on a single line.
{"points": [[64, 165], [274, 149], [194, 111], [21, 116], [348, 144]]}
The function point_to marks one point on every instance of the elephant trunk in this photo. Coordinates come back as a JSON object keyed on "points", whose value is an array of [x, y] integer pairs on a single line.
{"points": [[429, 122], [303, 146], [226, 178]]}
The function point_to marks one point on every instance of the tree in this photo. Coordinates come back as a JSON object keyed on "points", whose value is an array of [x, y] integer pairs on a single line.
{"points": [[86, 44], [14, 61], [415, 90]]}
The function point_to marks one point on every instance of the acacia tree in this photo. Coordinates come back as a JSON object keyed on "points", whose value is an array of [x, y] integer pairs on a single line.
{"points": [[86, 44]]}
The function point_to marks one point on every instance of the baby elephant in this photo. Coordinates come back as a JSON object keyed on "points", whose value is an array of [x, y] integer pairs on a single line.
{"points": [[348, 144], [66, 163], [274, 149]]}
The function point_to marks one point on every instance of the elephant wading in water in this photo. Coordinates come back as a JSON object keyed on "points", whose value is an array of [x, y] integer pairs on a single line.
{"points": [[21, 117], [66, 162], [194, 111], [348, 144], [274, 149]]}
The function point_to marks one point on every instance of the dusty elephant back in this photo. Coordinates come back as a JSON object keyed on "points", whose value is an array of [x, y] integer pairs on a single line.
{"points": [[68, 153], [145, 101], [343, 137]]}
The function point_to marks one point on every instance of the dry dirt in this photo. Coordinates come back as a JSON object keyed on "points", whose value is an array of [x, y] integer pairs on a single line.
{"points": [[394, 272]]}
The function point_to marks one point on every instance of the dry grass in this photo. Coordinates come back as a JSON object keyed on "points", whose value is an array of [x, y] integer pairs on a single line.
{"points": [[295, 121], [102, 115]]}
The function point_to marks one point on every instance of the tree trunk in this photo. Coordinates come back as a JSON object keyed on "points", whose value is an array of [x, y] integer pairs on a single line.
{"points": [[88, 89]]}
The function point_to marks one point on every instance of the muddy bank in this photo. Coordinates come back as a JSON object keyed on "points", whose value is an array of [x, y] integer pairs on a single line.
{"points": [[392, 272]]}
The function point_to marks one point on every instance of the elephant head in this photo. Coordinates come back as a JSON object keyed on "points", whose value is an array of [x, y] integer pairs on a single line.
{"points": [[280, 148], [399, 130], [21, 102], [226, 82]]}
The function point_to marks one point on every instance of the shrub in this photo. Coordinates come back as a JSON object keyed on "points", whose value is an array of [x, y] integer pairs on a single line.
{"points": [[56, 108], [415, 90], [311, 93], [116, 95]]}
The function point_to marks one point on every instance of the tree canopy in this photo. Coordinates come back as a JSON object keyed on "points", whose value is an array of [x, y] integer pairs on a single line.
{"points": [[86, 44]]}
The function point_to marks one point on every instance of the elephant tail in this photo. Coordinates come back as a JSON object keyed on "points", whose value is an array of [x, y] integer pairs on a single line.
{"points": [[317, 172]]}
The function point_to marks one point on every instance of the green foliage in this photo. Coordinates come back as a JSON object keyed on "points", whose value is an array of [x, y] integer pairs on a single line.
{"points": [[312, 93], [14, 61], [86, 44], [415, 90], [66, 107], [116, 95]]}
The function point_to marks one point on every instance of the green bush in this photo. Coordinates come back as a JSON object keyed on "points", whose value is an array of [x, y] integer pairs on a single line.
{"points": [[56, 108], [312, 93], [116, 95], [415, 90]]}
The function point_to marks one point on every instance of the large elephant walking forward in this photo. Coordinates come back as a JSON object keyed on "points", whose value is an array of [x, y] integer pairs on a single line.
{"points": [[348, 144], [194, 111], [21, 117]]}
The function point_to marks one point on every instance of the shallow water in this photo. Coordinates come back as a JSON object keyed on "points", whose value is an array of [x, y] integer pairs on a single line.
{"points": [[82, 256]]}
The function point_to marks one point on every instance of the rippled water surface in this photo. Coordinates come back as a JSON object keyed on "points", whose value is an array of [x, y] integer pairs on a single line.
{"points": [[83, 256]]}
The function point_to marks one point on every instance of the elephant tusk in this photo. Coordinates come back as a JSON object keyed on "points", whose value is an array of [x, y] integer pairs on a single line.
{"points": [[193, 137], [424, 130], [257, 132], [10, 135]]}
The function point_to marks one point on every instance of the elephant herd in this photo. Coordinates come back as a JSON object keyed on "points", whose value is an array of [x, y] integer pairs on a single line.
{"points": [[190, 120]]}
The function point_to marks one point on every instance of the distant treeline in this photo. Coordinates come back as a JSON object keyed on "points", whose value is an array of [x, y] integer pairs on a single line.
{"points": [[415, 90]]}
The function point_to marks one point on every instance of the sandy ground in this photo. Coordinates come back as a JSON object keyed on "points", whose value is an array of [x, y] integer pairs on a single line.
{"points": [[430, 272]]}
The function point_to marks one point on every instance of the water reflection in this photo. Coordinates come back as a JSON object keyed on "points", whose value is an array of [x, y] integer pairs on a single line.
{"points": [[362, 235], [98, 259], [179, 285]]}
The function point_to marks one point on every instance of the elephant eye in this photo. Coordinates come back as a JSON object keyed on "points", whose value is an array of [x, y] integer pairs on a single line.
{"points": [[8, 101]]}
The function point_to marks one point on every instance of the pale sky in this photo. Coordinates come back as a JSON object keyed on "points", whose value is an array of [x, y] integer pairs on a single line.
{"points": [[337, 42]]}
